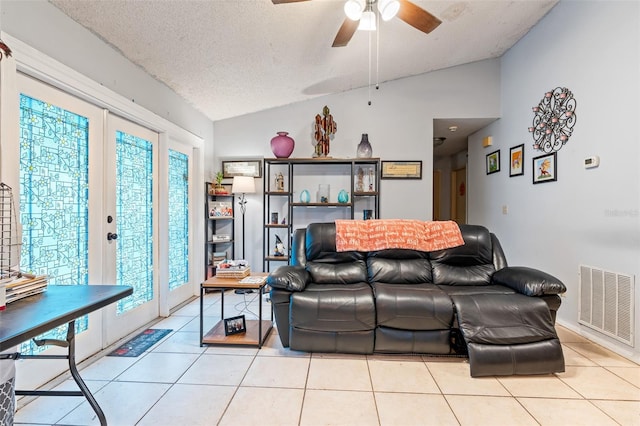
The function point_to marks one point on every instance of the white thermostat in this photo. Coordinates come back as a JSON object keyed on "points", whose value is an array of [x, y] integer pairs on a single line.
{"points": [[591, 162]]}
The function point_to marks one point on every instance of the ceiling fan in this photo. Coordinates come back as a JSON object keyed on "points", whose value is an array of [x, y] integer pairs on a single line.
{"points": [[361, 15]]}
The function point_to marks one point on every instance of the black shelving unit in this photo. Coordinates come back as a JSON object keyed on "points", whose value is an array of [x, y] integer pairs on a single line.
{"points": [[217, 226], [303, 173]]}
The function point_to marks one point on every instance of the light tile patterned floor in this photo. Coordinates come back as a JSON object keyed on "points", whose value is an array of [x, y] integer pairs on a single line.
{"points": [[179, 383]]}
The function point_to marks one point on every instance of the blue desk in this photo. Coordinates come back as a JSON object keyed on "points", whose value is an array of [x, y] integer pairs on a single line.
{"points": [[29, 317]]}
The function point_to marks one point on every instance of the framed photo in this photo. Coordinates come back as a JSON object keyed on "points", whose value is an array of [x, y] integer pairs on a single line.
{"points": [[516, 161], [545, 168], [493, 162], [401, 170], [251, 168], [220, 209], [234, 325]]}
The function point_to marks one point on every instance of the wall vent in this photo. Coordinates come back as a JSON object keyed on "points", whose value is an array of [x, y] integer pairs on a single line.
{"points": [[606, 302]]}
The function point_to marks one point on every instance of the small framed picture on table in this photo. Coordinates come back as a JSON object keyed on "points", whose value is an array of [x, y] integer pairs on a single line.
{"points": [[235, 325]]}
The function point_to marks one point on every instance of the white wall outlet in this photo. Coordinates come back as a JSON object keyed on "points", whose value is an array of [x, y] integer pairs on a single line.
{"points": [[505, 209]]}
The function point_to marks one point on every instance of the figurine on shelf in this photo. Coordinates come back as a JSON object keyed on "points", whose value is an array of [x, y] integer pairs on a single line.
{"points": [[360, 180], [324, 130], [279, 249], [279, 182]]}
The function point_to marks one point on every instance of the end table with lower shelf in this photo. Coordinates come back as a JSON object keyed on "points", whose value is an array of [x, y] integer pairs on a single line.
{"points": [[257, 329]]}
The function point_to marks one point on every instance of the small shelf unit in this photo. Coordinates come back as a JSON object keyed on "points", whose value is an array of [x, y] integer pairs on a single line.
{"points": [[285, 211], [217, 226]]}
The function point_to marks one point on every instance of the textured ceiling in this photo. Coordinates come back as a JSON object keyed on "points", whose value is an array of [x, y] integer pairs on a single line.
{"points": [[232, 57]]}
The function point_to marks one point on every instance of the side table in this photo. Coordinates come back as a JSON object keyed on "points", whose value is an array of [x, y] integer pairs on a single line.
{"points": [[257, 329]]}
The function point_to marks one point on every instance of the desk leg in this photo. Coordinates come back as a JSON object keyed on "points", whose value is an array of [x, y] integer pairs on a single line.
{"points": [[260, 294], [70, 343], [71, 332], [201, 309]]}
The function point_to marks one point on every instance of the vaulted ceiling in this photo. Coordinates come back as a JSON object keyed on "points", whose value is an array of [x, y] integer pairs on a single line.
{"points": [[232, 57]]}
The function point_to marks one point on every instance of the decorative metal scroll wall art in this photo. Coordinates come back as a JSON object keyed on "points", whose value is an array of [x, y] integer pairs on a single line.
{"points": [[553, 120]]}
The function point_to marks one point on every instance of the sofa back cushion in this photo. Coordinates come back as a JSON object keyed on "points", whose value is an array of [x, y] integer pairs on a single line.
{"points": [[325, 264], [399, 267], [469, 264]]}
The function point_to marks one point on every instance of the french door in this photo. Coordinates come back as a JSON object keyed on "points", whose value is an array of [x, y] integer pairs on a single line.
{"points": [[131, 206], [61, 186], [180, 210], [90, 210]]}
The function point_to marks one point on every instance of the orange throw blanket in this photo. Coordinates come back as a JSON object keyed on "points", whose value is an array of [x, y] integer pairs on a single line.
{"points": [[382, 234]]}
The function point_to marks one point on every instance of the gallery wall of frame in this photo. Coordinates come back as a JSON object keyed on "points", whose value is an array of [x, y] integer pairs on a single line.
{"points": [[544, 167]]}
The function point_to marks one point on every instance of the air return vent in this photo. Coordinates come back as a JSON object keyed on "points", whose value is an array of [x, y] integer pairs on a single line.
{"points": [[606, 302]]}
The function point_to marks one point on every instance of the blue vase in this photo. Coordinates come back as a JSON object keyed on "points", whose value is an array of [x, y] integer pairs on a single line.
{"points": [[305, 197], [343, 196]]}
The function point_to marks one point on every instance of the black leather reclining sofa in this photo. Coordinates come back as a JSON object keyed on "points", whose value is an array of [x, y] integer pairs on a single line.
{"points": [[461, 301]]}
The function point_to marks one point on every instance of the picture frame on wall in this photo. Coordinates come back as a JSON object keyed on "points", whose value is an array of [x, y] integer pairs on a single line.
{"points": [[516, 161], [401, 170], [252, 168], [545, 168], [493, 162]]}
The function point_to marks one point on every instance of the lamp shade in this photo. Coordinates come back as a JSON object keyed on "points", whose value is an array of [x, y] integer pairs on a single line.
{"points": [[388, 8], [368, 21], [353, 9], [243, 185]]}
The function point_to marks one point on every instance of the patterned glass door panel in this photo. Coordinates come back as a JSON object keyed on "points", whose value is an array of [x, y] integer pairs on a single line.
{"points": [[178, 219], [54, 196], [134, 210]]}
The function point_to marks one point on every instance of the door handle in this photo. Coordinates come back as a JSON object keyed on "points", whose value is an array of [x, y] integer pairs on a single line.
{"points": [[111, 236]]}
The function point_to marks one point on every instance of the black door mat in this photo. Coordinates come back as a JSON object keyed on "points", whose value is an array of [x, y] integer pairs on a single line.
{"points": [[143, 341]]}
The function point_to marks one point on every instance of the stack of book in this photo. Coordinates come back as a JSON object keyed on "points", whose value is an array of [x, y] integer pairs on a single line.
{"points": [[25, 286], [219, 257], [233, 269]]}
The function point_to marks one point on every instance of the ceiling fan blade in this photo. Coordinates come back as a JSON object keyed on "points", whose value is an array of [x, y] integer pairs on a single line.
{"points": [[286, 1], [346, 31], [417, 17]]}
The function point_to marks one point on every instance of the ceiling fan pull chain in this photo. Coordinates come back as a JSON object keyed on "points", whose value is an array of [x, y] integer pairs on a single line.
{"points": [[378, 54], [369, 86]]}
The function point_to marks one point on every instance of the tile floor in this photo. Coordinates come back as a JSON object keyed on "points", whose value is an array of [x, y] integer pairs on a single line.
{"points": [[177, 382]]}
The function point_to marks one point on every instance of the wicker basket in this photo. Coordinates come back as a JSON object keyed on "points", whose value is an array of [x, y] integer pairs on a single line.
{"points": [[233, 273]]}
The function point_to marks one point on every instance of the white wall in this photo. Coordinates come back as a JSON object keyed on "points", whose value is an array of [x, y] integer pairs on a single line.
{"points": [[399, 123], [589, 217]]}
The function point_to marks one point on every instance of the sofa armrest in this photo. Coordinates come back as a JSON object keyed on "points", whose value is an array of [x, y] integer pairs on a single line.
{"points": [[528, 281], [291, 278]]}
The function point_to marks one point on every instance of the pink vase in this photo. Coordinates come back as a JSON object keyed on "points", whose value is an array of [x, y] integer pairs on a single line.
{"points": [[282, 145]]}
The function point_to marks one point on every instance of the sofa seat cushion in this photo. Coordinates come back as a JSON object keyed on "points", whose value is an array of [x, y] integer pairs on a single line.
{"points": [[413, 306], [461, 290], [503, 319], [333, 308]]}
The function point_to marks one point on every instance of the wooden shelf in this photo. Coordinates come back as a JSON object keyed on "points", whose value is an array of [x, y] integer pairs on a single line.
{"points": [[250, 337], [277, 258]]}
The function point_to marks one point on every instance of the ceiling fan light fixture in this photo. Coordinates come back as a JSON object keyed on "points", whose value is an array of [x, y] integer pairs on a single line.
{"points": [[353, 9], [388, 8], [368, 21]]}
